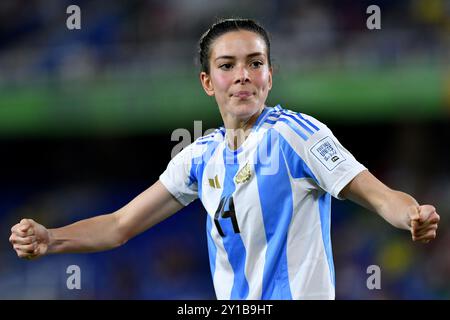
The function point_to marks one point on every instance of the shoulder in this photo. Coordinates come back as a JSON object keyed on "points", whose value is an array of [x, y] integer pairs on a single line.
{"points": [[290, 123], [217, 135], [201, 145]]}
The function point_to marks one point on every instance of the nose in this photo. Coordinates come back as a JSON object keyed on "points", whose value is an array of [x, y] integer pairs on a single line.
{"points": [[242, 75]]}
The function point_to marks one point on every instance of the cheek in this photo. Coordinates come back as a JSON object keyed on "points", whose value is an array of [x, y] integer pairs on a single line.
{"points": [[262, 80], [222, 81]]}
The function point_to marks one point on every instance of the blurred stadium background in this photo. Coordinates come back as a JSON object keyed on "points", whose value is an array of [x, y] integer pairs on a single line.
{"points": [[86, 118]]}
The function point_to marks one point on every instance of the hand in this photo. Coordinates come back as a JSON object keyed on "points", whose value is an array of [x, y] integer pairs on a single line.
{"points": [[29, 239], [424, 223]]}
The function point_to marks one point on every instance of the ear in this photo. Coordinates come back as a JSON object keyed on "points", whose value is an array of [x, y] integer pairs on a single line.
{"points": [[207, 85], [270, 77]]}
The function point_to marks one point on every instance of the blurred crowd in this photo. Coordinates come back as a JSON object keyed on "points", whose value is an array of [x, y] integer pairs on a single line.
{"points": [[170, 261], [152, 35]]}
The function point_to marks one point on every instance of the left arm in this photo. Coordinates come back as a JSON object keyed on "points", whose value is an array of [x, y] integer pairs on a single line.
{"points": [[396, 207]]}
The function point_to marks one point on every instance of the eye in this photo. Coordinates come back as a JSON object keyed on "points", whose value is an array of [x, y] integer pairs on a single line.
{"points": [[256, 64], [226, 66]]}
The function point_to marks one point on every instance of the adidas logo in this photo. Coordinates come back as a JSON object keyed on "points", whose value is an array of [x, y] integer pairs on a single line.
{"points": [[214, 183]]}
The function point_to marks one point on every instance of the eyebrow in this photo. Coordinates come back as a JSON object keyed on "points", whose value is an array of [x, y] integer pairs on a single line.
{"points": [[251, 55]]}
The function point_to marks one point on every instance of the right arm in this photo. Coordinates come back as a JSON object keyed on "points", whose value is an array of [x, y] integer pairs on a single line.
{"points": [[31, 240]]}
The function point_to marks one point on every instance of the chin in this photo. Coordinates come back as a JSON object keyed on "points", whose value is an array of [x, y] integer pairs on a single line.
{"points": [[245, 110]]}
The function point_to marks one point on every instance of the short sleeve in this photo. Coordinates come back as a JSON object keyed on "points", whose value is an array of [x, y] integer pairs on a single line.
{"points": [[332, 164], [178, 179]]}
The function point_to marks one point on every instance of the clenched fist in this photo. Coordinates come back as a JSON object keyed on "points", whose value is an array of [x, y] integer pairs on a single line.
{"points": [[424, 223], [29, 239]]}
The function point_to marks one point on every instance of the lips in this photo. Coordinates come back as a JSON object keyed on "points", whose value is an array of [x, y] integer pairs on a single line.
{"points": [[242, 94]]}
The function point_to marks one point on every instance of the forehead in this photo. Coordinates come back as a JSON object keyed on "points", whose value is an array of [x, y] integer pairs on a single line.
{"points": [[236, 43]]}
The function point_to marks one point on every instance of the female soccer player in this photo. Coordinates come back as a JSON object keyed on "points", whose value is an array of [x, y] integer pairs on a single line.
{"points": [[265, 179]]}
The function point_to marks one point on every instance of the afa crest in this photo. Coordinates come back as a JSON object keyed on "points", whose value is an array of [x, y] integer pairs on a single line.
{"points": [[243, 175]]}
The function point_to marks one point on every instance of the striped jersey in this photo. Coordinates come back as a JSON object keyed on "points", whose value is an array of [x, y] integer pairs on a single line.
{"points": [[268, 205]]}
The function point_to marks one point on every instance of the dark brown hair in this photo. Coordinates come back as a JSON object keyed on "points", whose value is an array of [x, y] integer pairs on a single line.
{"points": [[227, 25]]}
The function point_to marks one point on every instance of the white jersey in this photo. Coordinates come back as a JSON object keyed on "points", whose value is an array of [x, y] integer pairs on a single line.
{"points": [[268, 205]]}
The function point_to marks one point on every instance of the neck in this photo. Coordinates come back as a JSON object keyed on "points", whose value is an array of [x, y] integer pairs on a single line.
{"points": [[239, 129]]}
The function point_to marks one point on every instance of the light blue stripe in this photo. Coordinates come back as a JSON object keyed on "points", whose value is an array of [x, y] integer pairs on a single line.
{"points": [[232, 242], [277, 207], [198, 165], [325, 217], [263, 116], [212, 135], [308, 122], [297, 120], [207, 137], [300, 115], [193, 173], [293, 127], [260, 117], [204, 142], [297, 167], [212, 249], [272, 118]]}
